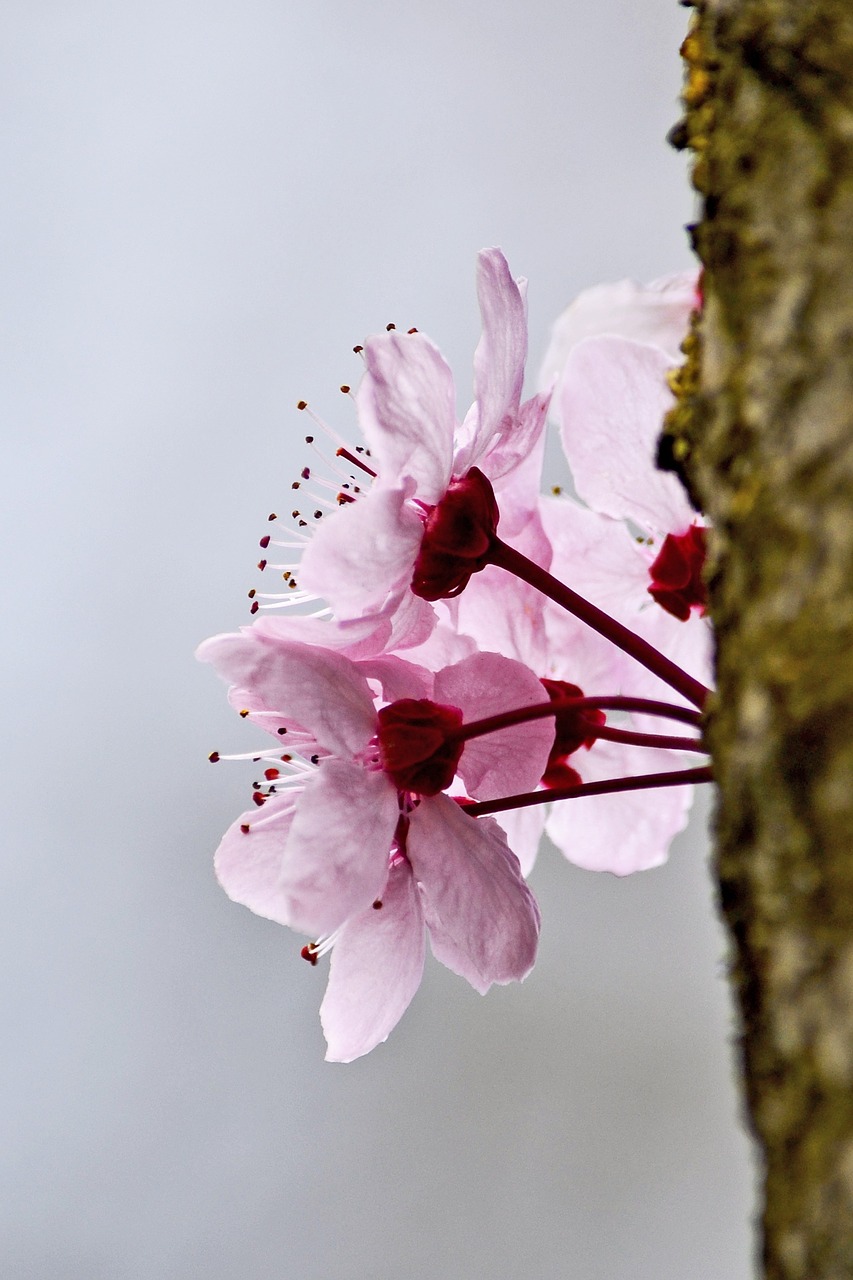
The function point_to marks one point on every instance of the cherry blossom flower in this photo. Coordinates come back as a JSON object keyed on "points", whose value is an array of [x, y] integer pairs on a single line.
{"points": [[361, 848], [639, 550], [363, 833], [427, 514]]}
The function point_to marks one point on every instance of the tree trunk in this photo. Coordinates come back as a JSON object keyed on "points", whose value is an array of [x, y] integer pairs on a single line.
{"points": [[763, 436]]}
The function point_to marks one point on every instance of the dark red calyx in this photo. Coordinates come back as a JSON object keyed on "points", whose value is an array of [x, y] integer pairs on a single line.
{"points": [[560, 774], [572, 730], [677, 573], [417, 746], [457, 538]]}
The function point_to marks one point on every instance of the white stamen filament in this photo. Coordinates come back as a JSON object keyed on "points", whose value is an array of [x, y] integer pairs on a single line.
{"points": [[282, 601], [265, 755], [271, 817], [322, 945], [324, 426], [300, 545]]}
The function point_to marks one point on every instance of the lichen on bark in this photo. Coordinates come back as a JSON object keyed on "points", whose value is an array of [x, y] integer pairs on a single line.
{"points": [[763, 434]]}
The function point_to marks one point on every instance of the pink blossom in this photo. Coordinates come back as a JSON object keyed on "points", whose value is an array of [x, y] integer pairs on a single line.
{"points": [[611, 566], [611, 352], [368, 824], [362, 558]]}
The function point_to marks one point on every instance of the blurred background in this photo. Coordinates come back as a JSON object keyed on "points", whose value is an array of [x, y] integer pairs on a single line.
{"points": [[205, 205]]}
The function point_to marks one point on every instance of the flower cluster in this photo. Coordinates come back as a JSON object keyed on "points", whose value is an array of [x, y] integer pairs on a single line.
{"points": [[479, 663]]}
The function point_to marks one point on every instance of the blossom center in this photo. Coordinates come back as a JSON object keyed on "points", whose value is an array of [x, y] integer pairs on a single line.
{"points": [[676, 574], [457, 539], [573, 729], [418, 746]]}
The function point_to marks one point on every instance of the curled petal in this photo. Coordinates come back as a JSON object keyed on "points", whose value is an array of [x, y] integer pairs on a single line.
{"points": [[336, 858], [482, 918], [498, 361], [376, 968], [511, 449]]}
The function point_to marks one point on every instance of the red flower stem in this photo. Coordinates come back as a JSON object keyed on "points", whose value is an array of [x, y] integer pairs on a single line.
{"points": [[635, 739], [643, 652], [504, 719], [642, 782], [645, 706]]}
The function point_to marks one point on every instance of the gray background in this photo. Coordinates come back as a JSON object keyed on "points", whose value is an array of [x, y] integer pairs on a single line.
{"points": [[205, 206]]}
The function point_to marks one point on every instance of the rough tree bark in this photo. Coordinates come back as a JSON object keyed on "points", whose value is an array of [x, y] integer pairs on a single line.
{"points": [[763, 436]]}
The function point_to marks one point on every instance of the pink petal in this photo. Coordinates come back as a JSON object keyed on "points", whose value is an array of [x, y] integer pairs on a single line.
{"points": [[523, 829], [336, 858], [320, 689], [611, 406], [248, 864], [599, 558], [355, 637], [483, 919], [269, 719], [376, 968], [509, 760], [411, 620], [515, 447], [504, 615], [362, 555], [396, 678], [689, 644], [629, 831], [656, 313], [407, 408], [499, 359], [445, 645]]}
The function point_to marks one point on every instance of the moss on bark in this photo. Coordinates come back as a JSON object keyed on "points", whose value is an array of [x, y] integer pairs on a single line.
{"points": [[764, 435]]}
